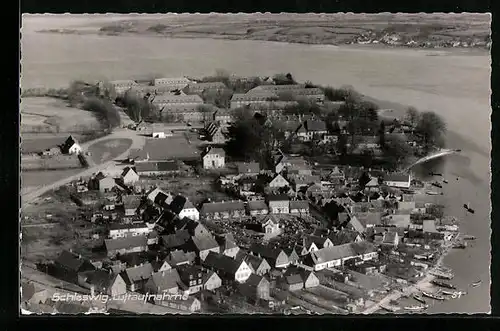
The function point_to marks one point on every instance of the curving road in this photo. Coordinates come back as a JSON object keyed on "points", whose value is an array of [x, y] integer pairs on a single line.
{"points": [[137, 141]]}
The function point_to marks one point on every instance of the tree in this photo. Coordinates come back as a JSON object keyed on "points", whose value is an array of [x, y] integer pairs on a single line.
{"points": [[381, 135], [104, 110], [431, 127], [396, 150], [412, 116], [364, 179]]}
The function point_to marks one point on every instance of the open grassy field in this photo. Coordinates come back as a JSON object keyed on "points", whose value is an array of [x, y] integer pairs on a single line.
{"points": [[106, 150], [31, 180], [303, 28], [41, 114]]}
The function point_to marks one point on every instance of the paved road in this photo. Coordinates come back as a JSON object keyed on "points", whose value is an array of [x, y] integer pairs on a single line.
{"points": [[137, 141]]}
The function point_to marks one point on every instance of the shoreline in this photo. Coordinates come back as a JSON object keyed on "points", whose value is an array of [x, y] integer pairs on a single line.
{"points": [[481, 50]]}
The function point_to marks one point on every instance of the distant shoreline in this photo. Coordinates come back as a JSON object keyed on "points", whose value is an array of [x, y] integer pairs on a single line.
{"points": [[354, 45]]}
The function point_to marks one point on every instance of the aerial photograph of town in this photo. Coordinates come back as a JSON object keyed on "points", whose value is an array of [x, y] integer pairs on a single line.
{"points": [[255, 164]]}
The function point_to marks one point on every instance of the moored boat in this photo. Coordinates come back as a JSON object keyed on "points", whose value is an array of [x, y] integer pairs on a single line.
{"points": [[443, 284], [419, 298], [468, 237], [416, 307], [433, 296], [433, 193], [442, 274], [461, 245], [477, 283]]}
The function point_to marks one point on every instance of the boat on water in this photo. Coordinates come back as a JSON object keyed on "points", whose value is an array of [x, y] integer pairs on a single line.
{"points": [[445, 181], [419, 298], [391, 309], [444, 284], [469, 237], [433, 296], [476, 284], [433, 193], [436, 184], [417, 307]]}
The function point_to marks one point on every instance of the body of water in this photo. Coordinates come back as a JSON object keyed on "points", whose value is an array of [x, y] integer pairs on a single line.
{"points": [[453, 84]]}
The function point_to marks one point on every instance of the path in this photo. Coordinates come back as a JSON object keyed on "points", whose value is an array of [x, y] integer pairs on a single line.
{"points": [[137, 141]]}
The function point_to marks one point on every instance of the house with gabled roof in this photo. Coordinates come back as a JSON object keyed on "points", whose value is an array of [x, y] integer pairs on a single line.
{"points": [[248, 168], [68, 265], [194, 228], [398, 180], [159, 197], [137, 276], [192, 277], [344, 236], [126, 245], [129, 176], [313, 243], [211, 281], [330, 257], [278, 203], [164, 282], [227, 244], [292, 282], [203, 245], [299, 207], [101, 281], [369, 219], [71, 146], [227, 268], [270, 224], [222, 210], [293, 253], [183, 207], [275, 256], [259, 265], [214, 158], [176, 240], [160, 265], [257, 287], [278, 182], [118, 230], [178, 258], [131, 204], [257, 207], [303, 181], [355, 225]]}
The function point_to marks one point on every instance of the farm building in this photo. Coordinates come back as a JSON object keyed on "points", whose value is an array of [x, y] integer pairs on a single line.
{"points": [[214, 158], [71, 146]]}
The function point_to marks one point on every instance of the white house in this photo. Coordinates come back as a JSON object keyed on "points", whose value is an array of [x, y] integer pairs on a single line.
{"points": [[71, 146], [337, 255], [127, 230], [189, 211], [278, 182], [270, 225], [214, 158], [129, 176], [398, 180], [227, 267]]}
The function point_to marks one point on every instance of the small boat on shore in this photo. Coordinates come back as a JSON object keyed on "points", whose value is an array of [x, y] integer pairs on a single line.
{"points": [[443, 284], [445, 181], [436, 184], [433, 193], [419, 298], [468, 237], [433, 296], [417, 307], [391, 309]]}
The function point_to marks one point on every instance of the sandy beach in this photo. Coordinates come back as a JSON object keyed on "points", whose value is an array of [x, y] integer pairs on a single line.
{"points": [[454, 85]]}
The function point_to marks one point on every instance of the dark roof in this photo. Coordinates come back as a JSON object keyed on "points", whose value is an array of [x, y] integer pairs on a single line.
{"points": [[252, 260], [278, 197], [99, 278], [226, 241], [251, 167], [204, 243], [294, 279], [178, 256], [255, 280], [70, 260], [127, 242], [343, 237], [312, 125], [299, 204], [372, 218], [126, 171], [175, 240], [222, 262], [217, 207], [131, 201], [356, 225], [177, 204], [166, 279], [265, 251], [156, 166], [363, 247], [257, 205], [397, 177], [137, 273]]}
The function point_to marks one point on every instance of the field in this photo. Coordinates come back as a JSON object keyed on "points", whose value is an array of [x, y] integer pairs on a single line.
{"points": [[306, 28], [106, 150], [41, 114], [31, 180], [58, 162]]}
